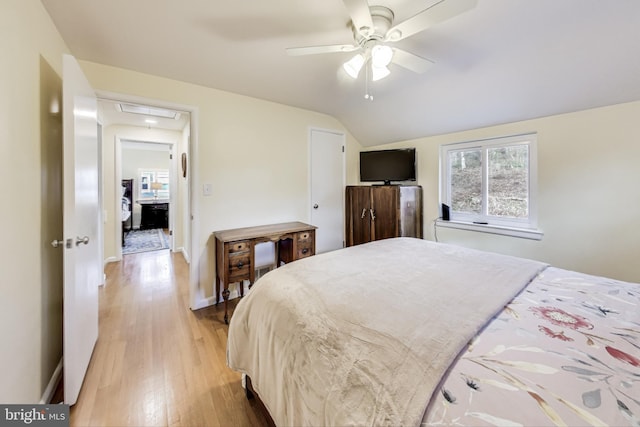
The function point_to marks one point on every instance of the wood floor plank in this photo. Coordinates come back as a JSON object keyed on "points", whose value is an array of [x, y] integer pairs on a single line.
{"points": [[157, 363]]}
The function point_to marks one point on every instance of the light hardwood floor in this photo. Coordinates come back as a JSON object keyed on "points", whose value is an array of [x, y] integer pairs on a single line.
{"points": [[158, 363]]}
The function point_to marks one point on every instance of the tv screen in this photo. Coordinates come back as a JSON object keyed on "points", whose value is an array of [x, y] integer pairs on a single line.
{"points": [[388, 165]]}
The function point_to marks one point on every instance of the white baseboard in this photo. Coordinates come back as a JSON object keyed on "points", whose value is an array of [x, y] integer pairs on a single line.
{"points": [[53, 384], [204, 302], [184, 253], [233, 293], [110, 259]]}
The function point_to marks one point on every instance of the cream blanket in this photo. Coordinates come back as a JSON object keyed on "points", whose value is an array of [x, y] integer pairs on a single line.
{"points": [[363, 335]]}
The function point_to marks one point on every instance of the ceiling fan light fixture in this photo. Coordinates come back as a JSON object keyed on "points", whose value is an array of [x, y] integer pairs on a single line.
{"points": [[354, 65], [373, 27], [379, 73], [381, 56]]}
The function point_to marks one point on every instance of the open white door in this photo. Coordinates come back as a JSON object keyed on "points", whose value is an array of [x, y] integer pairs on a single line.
{"points": [[82, 264]]}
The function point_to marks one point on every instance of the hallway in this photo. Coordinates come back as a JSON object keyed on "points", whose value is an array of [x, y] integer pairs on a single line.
{"points": [[157, 362]]}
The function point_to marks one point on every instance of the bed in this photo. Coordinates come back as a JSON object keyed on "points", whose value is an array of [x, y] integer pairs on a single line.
{"points": [[411, 332]]}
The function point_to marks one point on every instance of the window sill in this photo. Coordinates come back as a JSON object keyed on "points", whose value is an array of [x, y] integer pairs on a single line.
{"points": [[523, 233]]}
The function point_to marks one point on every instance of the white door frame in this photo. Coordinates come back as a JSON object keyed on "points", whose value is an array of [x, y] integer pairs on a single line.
{"points": [[344, 171], [196, 295], [101, 198]]}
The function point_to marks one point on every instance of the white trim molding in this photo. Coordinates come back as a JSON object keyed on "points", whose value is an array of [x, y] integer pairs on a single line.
{"points": [[524, 233]]}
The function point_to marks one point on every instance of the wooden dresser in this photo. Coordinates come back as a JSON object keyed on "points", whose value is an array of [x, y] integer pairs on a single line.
{"points": [[382, 211], [154, 214], [235, 252]]}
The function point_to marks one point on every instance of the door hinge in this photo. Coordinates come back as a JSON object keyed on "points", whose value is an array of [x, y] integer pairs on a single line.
{"points": [[170, 156], [343, 148]]}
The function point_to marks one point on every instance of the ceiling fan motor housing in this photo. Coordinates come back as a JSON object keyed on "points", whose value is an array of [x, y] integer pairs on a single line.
{"points": [[382, 19]]}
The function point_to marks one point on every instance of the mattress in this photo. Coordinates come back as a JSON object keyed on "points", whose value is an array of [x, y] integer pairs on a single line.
{"points": [[409, 332]]}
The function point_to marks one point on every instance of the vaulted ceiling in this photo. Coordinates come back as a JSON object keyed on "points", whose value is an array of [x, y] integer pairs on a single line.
{"points": [[502, 61]]}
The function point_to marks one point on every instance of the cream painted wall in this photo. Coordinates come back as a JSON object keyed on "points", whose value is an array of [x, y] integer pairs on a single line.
{"points": [[26, 306], [254, 154], [588, 178]]}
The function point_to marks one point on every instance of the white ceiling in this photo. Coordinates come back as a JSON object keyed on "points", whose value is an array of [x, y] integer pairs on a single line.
{"points": [[504, 61]]}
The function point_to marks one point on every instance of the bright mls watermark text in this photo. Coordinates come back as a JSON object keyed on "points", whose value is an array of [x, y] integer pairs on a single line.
{"points": [[34, 415]]}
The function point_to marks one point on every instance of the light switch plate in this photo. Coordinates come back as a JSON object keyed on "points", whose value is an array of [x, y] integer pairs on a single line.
{"points": [[206, 189]]}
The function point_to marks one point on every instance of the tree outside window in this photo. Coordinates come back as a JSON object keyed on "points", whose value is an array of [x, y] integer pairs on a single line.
{"points": [[491, 181]]}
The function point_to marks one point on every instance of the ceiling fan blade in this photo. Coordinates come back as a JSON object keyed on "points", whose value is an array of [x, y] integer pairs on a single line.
{"points": [[410, 61], [439, 12], [313, 50], [360, 15]]}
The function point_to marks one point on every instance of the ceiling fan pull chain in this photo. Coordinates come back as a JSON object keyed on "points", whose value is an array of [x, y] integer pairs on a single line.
{"points": [[367, 95]]}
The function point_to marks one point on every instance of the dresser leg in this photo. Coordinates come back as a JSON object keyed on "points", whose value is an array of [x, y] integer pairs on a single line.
{"points": [[217, 289], [225, 296]]}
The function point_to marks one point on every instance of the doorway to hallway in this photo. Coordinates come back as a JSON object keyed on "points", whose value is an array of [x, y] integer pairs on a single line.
{"points": [[142, 120]]}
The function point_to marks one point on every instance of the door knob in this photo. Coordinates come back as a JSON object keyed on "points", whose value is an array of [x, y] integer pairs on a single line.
{"points": [[57, 243], [80, 240], [315, 206]]}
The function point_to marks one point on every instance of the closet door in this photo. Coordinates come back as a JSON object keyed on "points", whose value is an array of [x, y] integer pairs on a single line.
{"points": [[385, 201], [358, 203]]}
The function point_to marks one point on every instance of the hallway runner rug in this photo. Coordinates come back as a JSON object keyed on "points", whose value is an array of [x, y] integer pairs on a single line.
{"points": [[136, 241]]}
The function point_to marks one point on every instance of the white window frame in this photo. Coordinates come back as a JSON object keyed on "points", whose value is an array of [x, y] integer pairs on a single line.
{"points": [[152, 173], [517, 227]]}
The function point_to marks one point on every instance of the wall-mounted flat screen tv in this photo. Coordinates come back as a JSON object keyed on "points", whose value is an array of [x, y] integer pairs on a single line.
{"points": [[388, 165]]}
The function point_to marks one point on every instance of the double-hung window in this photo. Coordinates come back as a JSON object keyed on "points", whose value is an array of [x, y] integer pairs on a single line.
{"points": [[491, 183], [154, 183]]}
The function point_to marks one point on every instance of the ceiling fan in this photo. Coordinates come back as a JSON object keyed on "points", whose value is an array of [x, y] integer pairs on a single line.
{"points": [[374, 32]]}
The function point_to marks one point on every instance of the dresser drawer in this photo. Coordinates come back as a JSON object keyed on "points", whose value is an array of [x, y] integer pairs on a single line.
{"points": [[239, 266], [304, 250], [304, 236], [158, 207], [240, 246]]}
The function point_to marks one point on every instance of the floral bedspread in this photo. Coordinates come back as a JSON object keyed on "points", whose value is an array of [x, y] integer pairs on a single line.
{"points": [[566, 351]]}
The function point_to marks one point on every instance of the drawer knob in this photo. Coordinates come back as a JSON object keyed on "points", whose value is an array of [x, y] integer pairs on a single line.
{"points": [[240, 265], [305, 250]]}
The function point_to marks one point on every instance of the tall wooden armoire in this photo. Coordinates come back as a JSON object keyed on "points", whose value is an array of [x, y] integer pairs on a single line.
{"points": [[384, 211]]}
